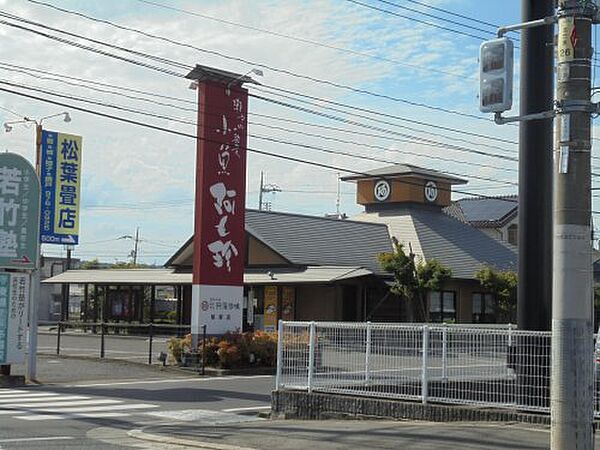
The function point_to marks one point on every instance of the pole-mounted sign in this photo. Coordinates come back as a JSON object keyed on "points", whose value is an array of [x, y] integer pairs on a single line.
{"points": [[219, 233], [14, 297], [60, 177], [19, 213]]}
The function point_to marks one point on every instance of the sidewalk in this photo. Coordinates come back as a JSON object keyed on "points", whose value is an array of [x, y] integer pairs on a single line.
{"points": [[348, 434], [61, 369]]}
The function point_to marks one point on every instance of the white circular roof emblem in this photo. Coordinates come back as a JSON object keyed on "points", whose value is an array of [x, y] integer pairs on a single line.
{"points": [[382, 190], [431, 191]]}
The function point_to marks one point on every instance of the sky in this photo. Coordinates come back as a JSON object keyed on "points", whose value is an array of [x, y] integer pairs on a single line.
{"points": [[424, 79]]}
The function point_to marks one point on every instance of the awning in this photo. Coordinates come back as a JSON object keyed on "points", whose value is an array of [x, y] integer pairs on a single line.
{"points": [[309, 274]]}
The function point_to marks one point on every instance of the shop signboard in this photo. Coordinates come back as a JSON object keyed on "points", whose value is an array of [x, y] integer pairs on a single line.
{"points": [[61, 186], [219, 236], [270, 308], [14, 297], [19, 213]]}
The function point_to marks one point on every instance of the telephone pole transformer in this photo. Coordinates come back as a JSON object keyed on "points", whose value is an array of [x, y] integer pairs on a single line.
{"points": [[572, 385]]}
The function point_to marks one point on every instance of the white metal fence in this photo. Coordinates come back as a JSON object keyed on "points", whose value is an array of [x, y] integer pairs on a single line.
{"points": [[487, 366]]}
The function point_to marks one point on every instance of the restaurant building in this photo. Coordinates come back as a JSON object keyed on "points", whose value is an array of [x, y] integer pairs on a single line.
{"points": [[301, 267]]}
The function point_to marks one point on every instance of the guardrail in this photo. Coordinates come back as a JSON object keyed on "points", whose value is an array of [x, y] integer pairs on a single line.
{"points": [[492, 367], [104, 331]]}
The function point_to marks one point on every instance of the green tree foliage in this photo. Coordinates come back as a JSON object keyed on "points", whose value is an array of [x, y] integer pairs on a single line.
{"points": [[128, 265], [503, 285], [413, 280], [91, 264]]}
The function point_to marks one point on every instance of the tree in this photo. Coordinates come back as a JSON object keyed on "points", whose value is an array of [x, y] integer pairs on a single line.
{"points": [[503, 285], [413, 280], [90, 265]]}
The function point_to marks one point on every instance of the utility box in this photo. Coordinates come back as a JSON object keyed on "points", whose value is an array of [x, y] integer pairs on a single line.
{"points": [[496, 75]]}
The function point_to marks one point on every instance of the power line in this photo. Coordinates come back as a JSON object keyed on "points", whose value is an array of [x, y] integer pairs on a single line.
{"points": [[319, 99], [433, 16], [274, 33], [280, 141], [452, 13], [414, 19], [161, 116], [251, 63], [93, 82], [378, 113], [251, 150]]}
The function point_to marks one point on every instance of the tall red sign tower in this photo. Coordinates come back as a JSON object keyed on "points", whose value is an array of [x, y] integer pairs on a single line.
{"points": [[219, 237]]}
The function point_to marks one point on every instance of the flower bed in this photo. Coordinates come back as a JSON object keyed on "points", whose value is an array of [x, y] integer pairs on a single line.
{"points": [[230, 351]]}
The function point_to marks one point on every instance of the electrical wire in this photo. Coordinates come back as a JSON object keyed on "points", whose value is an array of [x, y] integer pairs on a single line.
{"points": [[266, 138], [277, 34], [251, 150], [182, 65]]}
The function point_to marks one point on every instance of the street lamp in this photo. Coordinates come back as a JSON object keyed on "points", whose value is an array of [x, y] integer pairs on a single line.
{"points": [[33, 305], [8, 126]]}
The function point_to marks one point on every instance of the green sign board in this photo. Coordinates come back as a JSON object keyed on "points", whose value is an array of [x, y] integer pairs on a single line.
{"points": [[19, 213]]}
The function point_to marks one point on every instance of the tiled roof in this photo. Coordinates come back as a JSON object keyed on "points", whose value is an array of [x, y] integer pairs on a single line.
{"points": [[485, 212], [310, 240], [406, 170], [318, 240], [434, 235]]}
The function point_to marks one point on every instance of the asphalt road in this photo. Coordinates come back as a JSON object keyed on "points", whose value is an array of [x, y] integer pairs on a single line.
{"points": [[98, 414], [76, 343]]}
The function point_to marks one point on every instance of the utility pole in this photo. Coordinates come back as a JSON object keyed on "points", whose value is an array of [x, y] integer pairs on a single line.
{"points": [[135, 245], [260, 193], [265, 188], [572, 385]]}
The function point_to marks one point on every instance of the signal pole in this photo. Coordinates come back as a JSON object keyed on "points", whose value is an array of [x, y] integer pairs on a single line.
{"points": [[535, 170], [572, 384]]}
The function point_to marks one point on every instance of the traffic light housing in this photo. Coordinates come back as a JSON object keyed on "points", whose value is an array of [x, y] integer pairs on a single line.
{"points": [[496, 75]]}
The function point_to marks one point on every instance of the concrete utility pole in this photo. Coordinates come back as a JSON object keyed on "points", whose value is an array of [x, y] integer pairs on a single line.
{"points": [[135, 245], [265, 189], [535, 169], [572, 385]]}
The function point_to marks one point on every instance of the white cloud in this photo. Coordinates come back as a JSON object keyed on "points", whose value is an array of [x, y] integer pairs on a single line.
{"points": [[124, 164]]}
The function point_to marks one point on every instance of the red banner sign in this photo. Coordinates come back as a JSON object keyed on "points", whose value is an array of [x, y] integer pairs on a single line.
{"points": [[219, 242], [219, 236]]}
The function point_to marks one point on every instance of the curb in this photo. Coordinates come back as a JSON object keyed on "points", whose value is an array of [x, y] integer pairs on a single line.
{"points": [[142, 435]]}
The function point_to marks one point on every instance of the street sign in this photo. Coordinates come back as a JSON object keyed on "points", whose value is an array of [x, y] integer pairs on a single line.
{"points": [[60, 179], [14, 297], [19, 213]]}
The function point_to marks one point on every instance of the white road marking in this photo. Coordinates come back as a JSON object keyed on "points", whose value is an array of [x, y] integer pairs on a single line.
{"points": [[65, 403], [172, 380], [85, 409], [102, 415], [28, 395], [36, 439], [35, 405], [248, 408], [4, 401]]}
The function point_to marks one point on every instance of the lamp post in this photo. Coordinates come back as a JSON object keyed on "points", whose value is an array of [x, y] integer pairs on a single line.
{"points": [[35, 275]]}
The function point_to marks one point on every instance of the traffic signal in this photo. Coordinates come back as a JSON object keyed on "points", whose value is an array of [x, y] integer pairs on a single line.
{"points": [[496, 75]]}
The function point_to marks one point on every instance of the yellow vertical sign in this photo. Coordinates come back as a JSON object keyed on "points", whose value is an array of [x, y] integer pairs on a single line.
{"points": [[270, 305], [68, 183], [567, 40], [288, 300]]}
